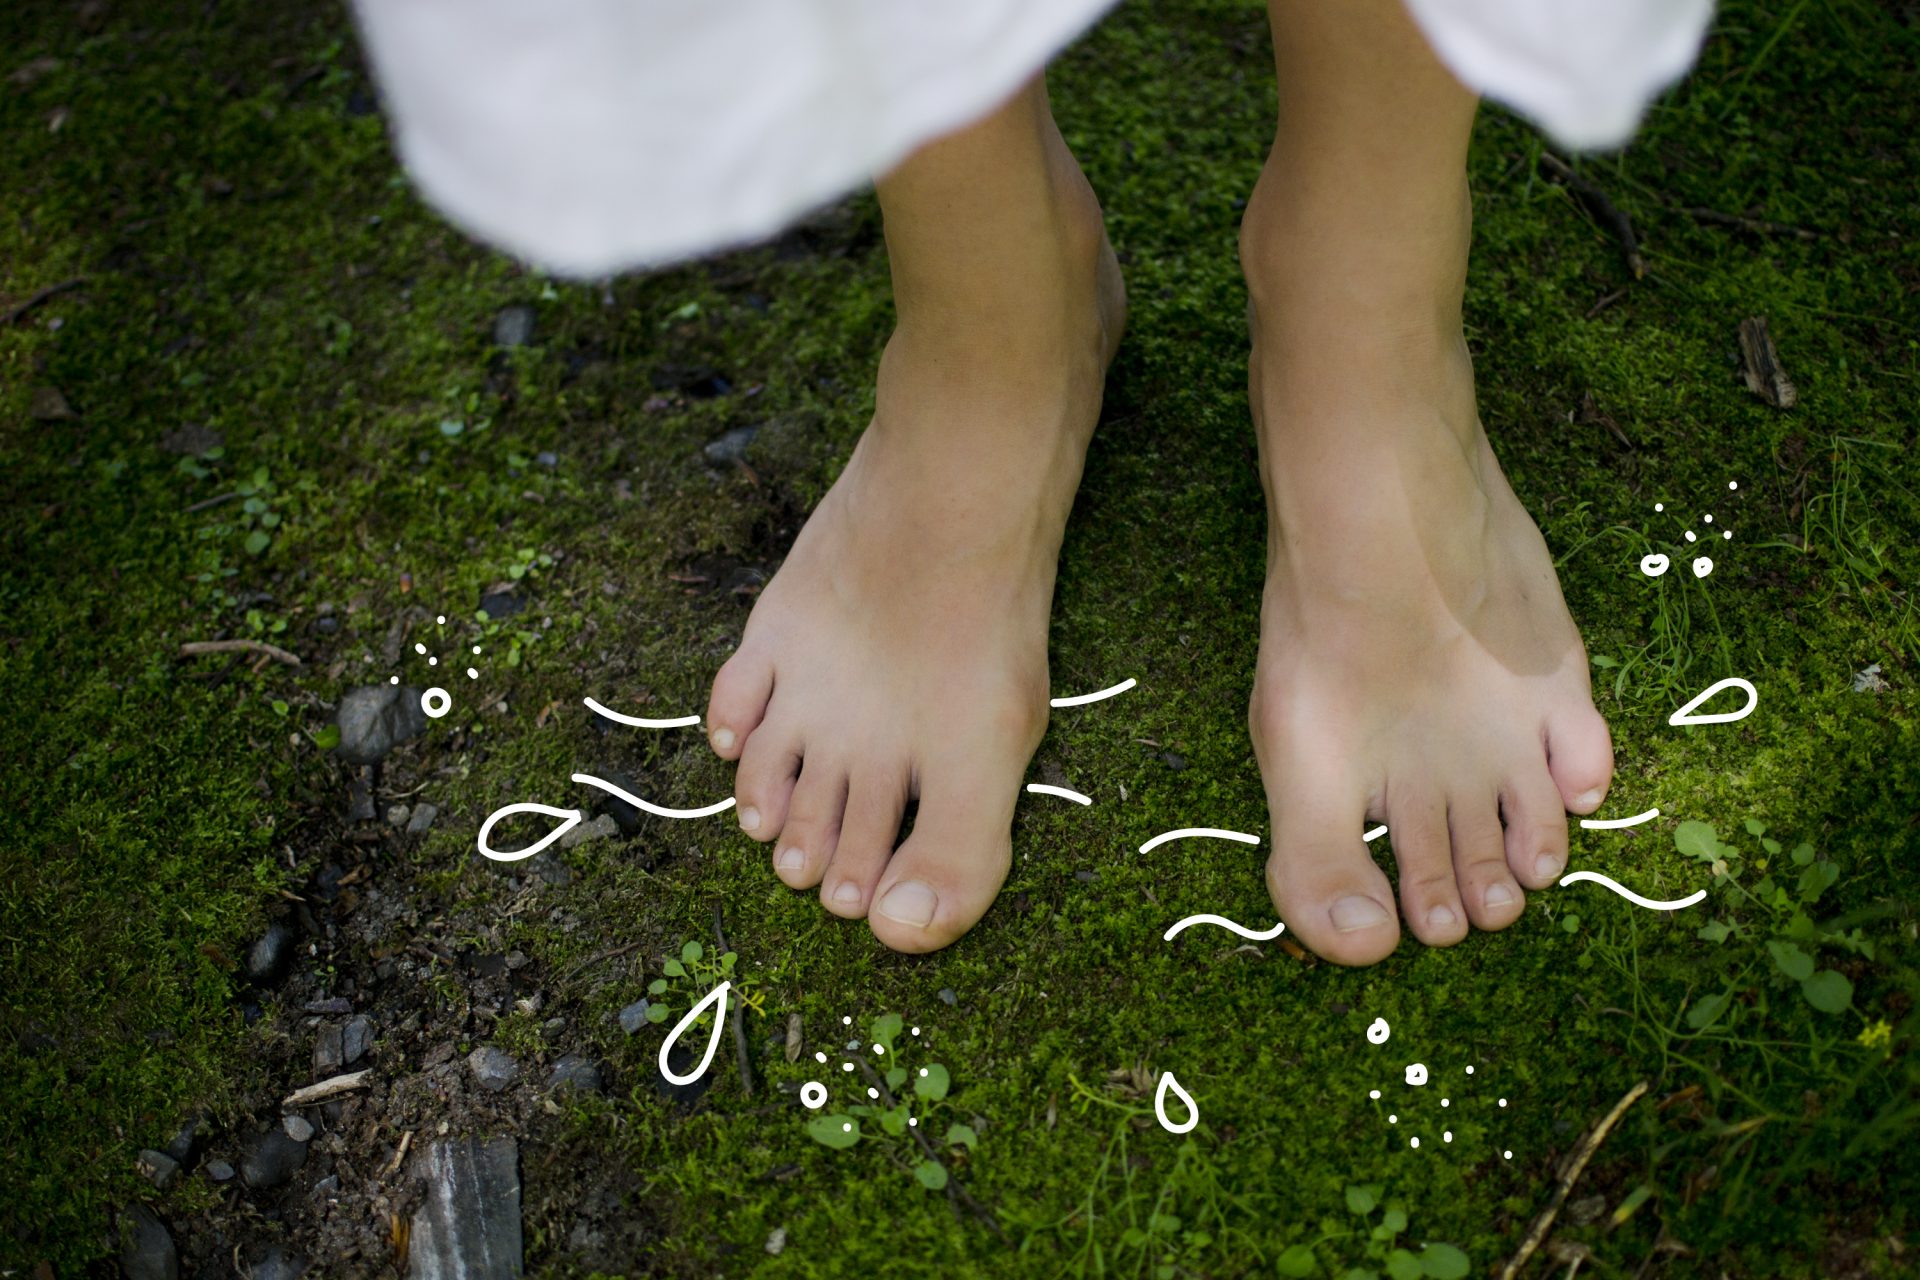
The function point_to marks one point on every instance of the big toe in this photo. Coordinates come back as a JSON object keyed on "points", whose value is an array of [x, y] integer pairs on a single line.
{"points": [[942, 880], [1331, 894]]}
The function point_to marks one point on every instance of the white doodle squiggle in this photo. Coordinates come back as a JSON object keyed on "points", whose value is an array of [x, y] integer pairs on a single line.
{"points": [[1081, 700], [718, 994], [1574, 877], [572, 817], [1227, 924], [1615, 824], [1217, 833], [1167, 1084], [1688, 715], [660, 810], [1377, 1033], [1373, 833], [1042, 789], [640, 722]]}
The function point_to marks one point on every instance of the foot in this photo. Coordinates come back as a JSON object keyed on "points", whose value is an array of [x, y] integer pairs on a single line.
{"points": [[1417, 665], [900, 653]]}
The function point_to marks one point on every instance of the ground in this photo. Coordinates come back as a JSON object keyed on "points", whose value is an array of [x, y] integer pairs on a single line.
{"points": [[267, 401]]}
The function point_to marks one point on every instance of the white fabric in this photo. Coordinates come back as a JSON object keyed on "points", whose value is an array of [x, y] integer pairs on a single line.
{"points": [[589, 136]]}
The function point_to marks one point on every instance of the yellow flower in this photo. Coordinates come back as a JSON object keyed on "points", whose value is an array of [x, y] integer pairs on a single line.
{"points": [[1876, 1035]]}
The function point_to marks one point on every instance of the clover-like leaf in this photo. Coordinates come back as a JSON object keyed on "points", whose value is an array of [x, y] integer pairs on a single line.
{"points": [[932, 1175], [1295, 1261], [1361, 1200], [690, 952], [1697, 840], [836, 1131], [961, 1135], [1829, 991], [674, 969], [933, 1082], [1444, 1262], [1792, 961], [1402, 1265], [885, 1028]]}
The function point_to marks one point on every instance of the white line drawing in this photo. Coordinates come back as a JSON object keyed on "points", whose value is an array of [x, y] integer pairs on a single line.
{"points": [[1416, 1074], [1217, 833], [1654, 565], [1167, 1082], [1615, 824], [1377, 1033], [1081, 700], [1374, 833], [572, 817], [1228, 925], [640, 722], [1042, 789], [1686, 715], [719, 993], [1574, 877], [436, 702], [1702, 566], [650, 807], [813, 1095]]}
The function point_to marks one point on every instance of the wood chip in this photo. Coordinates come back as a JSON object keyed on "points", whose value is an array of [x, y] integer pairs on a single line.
{"points": [[1765, 377], [332, 1087], [399, 1154], [793, 1037]]}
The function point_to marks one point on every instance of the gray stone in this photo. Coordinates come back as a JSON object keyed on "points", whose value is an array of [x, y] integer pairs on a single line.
{"points": [[360, 795], [601, 828], [732, 446], [493, 1068], [422, 819], [634, 1016], [272, 1160], [577, 1073], [186, 1141], [219, 1171], [157, 1167], [329, 1055], [468, 1227], [355, 1039], [376, 718], [628, 816], [277, 1263], [502, 604], [947, 996], [299, 1128], [514, 326], [399, 815], [146, 1247], [271, 954]]}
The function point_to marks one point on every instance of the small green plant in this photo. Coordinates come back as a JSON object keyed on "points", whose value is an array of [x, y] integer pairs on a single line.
{"points": [[901, 1096], [691, 975], [528, 562], [1381, 1252]]}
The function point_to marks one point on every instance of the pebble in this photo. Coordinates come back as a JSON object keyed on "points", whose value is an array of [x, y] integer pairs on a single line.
{"points": [[219, 1171], [634, 1016], [514, 326], [271, 954], [422, 819], [297, 1127], [273, 1159], [376, 718], [603, 827], [332, 1004], [577, 1073], [329, 1052], [501, 604], [186, 1140], [399, 814], [277, 1264], [355, 1039], [493, 1068], [627, 816], [157, 1167], [468, 1224], [732, 446], [776, 1240], [146, 1246], [947, 996]]}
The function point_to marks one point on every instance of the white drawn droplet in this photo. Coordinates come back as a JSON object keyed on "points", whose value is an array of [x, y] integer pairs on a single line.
{"points": [[572, 817], [1702, 566], [1690, 713], [718, 994], [1416, 1074], [1654, 565], [813, 1095], [436, 702], [1378, 1031], [1167, 1082]]}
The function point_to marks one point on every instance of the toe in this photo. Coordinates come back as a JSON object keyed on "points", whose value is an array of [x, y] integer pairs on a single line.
{"points": [[1417, 832], [764, 781], [739, 700], [1493, 898], [876, 799], [1580, 755], [1324, 884], [1536, 825], [943, 879], [812, 829]]}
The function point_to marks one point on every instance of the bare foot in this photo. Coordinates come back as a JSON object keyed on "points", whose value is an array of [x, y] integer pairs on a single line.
{"points": [[901, 651], [1417, 664]]}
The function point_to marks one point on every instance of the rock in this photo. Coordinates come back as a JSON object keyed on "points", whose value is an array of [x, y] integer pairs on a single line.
{"points": [[468, 1227], [360, 795], [422, 819], [376, 718], [186, 1141], [514, 326], [157, 1167], [299, 1128], [146, 1247], [46, 404], [399, 815], [493, 1068], [192, 440], [277, 1263], [634, 1016], [776, 1240], [355, 1039], [601, 828], [501, 604], [331, 1004], [547, 458], [948, 997], [272, 1160], [626, 815], [732, 446], [271, 955], [576, 1073], [329, 1054], [219, 1171]]}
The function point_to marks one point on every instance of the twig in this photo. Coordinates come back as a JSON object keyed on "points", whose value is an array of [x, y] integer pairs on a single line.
{"points": [[740, 1054], [194, 648], [327, 1088], [957, 1194], [35, 299], [1603, 210], [399, 1153], [214, 501], [1758, 226], [609, 954], [1576, 1164]]}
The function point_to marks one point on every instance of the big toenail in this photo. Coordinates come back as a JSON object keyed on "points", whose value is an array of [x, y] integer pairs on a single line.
{"points": [[909, 902], [790, 859], [1440, 918], [1356, 912], [1499, 896], [750, 818], [1588, 799], [1546, 866], [847, 894], [723, 739]]}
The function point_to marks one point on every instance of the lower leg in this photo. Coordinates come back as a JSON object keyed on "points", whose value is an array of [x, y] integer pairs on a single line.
{"points": [[1417, 666]]}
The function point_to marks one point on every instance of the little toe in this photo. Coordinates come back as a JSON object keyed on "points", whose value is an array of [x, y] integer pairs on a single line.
{"points": [[1325, 886], [876, 800], [764, 781], [1493, 898], [943, 879], [1536, 826], [738, 702], [812, 829], [1422, 848], [1580, 756]]}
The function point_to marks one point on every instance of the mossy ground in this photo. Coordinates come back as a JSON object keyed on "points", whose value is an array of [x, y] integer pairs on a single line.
{"points": [[254, 264]]}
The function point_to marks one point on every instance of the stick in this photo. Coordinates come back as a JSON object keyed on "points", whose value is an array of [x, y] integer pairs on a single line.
{"points": [[1602, 210], [741, 1057], [327, 1089], [194, 648], [1576, 1164], [34, 300], [956, 1193], [214, 501]]}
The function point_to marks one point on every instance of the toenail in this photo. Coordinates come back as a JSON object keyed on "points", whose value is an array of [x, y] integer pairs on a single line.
{"points": [[846, 894], [1588, 799], [1441, 918], [750, 818], [1356, 912], [1546, 866], [1499, 896], [909, 902], [790, 859], [723, 738]]}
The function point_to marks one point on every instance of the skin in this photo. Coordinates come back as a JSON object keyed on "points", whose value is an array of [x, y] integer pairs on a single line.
{"points": [[1417, 665]]}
